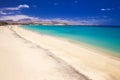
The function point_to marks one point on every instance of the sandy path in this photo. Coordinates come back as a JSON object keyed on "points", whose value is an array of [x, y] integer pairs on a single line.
{"points": [[21, 59]]}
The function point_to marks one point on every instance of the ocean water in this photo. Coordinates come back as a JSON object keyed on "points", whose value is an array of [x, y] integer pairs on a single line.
{"points": [[104, 37]]}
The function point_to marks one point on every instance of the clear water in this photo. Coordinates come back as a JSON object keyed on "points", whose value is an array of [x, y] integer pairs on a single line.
{"points": [[104, 37]]}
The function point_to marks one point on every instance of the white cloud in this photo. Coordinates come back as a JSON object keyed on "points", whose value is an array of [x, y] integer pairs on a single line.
{"points": [[17, 8], [6, 13], [17, 17], [23, 6], [106, 9], [2, 13]]}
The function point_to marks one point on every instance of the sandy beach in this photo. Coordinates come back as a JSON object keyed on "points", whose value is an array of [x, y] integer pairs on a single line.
{"points": [[26, 55]]}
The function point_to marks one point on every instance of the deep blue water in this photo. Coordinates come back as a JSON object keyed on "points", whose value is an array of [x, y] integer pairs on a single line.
{"points": [[104, 37]]}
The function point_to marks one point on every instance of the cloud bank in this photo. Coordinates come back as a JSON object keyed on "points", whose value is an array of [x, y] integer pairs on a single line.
{"points": [[2, 13], [17, 17], [90, 21]]}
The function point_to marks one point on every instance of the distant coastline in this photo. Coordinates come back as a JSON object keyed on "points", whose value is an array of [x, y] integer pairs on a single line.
{"points": [[71, 25], [49, 23]]}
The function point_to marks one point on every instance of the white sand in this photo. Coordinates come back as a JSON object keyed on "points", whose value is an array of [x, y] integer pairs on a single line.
{"points": [[23, 60], [25, 55]]}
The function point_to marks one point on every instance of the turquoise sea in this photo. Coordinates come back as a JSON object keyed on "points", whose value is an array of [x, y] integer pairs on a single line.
{"points": [[104, 37]]}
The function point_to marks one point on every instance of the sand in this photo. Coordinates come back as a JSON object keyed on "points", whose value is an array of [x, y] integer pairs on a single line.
{"points": [[26, 55]]}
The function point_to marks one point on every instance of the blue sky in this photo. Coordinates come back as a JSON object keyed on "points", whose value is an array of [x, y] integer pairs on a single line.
{"points": [[106, 12]]}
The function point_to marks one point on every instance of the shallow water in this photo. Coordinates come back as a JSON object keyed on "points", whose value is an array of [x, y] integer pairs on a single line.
{"points": [[105, 37]]}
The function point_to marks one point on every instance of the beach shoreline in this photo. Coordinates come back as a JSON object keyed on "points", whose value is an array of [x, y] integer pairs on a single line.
{"points": [[22, 59], [97, 49], [88, 62]]}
